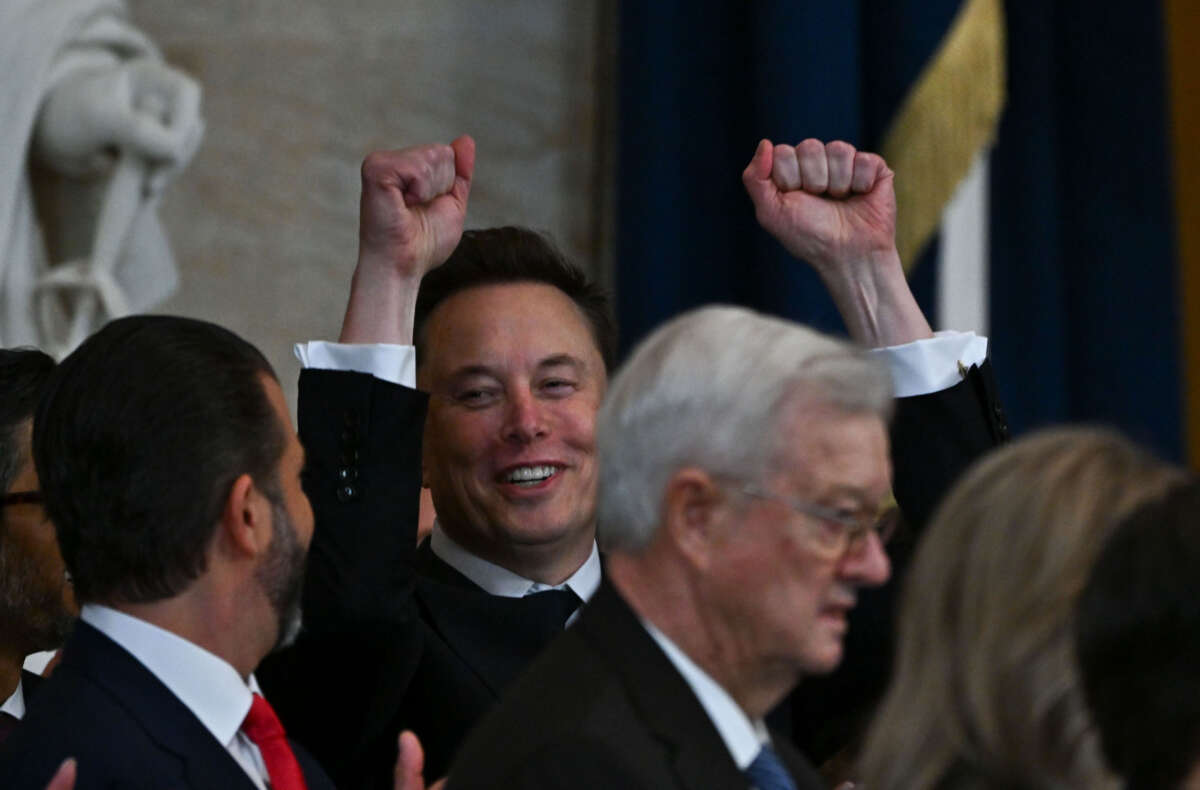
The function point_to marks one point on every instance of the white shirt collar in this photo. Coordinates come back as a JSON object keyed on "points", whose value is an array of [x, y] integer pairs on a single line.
{"points": [[743, 738], [501, 581], [15, 704], [208, 685]]}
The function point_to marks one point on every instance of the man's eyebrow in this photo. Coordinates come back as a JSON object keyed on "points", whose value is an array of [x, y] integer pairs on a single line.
{"points": [[558, 360], [476, 369]]}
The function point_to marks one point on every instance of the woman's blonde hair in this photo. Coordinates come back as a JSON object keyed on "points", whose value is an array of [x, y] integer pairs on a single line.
{"points": [[986, 684]]}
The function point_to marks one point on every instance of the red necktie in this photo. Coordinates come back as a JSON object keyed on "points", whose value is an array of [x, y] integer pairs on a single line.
{"points": [[263, 728]]}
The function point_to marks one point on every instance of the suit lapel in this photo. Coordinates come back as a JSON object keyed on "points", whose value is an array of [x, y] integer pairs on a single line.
{"points": [[29, 684], [166, 720], [661, 696]]}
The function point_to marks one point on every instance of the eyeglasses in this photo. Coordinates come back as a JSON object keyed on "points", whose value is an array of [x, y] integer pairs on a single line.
{"points": [[837, 531], [22, 498]]}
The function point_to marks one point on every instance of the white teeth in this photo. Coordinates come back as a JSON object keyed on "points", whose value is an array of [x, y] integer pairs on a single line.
{"points": [[530, 474]]}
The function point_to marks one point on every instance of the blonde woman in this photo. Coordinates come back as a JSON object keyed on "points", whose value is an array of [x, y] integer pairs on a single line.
{"points": [[986, 691]]}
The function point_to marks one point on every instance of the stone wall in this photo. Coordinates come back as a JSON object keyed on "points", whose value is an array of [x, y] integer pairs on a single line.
{"points": [[263, 223]]}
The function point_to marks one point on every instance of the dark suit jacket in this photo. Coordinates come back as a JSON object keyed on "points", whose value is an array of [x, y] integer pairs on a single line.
{"points": [[604, 707], [125, 728], [29, 685], [395, 639]]}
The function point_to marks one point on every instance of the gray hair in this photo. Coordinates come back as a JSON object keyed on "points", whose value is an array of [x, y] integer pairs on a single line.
{"points": [[707, 389]]}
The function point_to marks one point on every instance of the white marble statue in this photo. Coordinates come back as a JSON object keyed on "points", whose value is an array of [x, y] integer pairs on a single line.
{"points": [[85, 95]]}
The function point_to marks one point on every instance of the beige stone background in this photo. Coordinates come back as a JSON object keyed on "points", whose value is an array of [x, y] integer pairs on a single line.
{"points": [[296, 92]]}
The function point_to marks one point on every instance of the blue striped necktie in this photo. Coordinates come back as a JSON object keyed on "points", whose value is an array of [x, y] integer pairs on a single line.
{"points": [[768, 773]]}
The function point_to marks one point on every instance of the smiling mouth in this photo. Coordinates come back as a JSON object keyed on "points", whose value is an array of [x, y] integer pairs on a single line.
{"points": [[529, 476]]}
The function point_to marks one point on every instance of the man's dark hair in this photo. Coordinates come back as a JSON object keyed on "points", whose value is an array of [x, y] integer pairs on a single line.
{"points": [[496, 256], [23, 373], [139, 437], [1137, 636]]}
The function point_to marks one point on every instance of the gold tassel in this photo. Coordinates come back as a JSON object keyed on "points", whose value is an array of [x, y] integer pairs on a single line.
{"points": [[948, 117]]}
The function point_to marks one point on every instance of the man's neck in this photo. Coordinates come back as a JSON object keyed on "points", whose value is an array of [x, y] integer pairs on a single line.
{"points": [[204, 626], [679, 610], [549, 563]]}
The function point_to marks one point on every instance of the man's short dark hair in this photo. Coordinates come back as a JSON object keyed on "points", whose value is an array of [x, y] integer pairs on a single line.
{"points": [[23, 373], [139, 437], [1138, 640], [495, 256]]}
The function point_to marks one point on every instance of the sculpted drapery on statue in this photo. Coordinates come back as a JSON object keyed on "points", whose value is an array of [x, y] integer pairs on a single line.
{"points": [[88, 109]]}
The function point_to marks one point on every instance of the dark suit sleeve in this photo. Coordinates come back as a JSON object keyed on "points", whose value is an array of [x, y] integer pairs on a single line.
{"points": [[361, 640], [935, 437]]}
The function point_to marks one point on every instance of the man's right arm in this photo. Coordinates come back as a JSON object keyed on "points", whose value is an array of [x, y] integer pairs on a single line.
{"points": [[361, 421]]}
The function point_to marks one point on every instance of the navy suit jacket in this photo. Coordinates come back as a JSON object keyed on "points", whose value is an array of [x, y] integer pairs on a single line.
{"points": [[123, 726]]}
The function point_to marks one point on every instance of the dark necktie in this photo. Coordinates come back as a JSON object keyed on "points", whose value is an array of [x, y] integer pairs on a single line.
{"points": [[263, 728], [551, 608], [768, 773], [8, 723]]}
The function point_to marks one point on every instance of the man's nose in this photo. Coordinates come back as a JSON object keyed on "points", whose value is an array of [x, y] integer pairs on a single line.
{"points": [[867, 564], [525, 418]]}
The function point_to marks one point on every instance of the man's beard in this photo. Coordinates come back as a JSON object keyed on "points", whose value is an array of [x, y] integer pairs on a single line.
{"points": [[32, 609], [282, 575]]}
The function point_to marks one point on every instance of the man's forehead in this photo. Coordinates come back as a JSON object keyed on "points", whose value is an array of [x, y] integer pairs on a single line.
{"points": [[832, 452], [488, 325]]}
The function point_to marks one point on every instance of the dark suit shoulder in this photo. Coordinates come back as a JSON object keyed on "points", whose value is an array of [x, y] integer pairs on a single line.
{"points": [[566, 722], [76, 718]]}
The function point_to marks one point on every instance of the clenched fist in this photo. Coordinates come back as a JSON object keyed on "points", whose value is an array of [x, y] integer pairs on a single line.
{"points": [[825, 202], [413, 205]]}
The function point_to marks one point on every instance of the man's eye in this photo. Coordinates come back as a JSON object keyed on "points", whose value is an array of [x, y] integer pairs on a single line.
{"points": [[475, 397], [558, 386]]}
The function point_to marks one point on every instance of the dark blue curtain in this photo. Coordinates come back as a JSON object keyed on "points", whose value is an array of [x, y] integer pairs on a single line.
{"points": [[1084, 316]]}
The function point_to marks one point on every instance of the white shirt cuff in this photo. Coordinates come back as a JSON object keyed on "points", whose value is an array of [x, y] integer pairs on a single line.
{"points": [[925, 366], [385, 361]]}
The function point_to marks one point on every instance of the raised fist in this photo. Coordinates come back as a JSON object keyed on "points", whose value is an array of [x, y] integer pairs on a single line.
{"points": [[825, 202], [413, 205]]}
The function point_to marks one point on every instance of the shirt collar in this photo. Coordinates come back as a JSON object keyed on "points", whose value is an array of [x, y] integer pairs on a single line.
{"points": [[743, 738], [15, 704], [208, 685], [501, 581]]}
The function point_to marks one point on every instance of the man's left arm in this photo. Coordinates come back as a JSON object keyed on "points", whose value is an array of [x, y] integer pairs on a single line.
{"points": [[835, 207]]}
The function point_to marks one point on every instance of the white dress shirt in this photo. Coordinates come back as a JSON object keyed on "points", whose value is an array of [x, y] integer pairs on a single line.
{"points": [[15, 704], [743, 738], [501, 581], [208, 685]]}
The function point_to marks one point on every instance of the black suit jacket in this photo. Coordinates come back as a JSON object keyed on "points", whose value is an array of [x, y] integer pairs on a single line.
{"points": [[125, 728], [30, 683], [395, 639], [603, 707]]}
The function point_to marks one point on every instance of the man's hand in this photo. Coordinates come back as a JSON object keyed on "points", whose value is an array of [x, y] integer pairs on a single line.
{"points": [[64, 777], [411, 215], [835, 207], [410, 765], [826, 203], [141, 106]]}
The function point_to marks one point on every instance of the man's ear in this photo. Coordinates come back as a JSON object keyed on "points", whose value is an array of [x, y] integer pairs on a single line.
{"points": [[246, 517], [693, 512]]}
